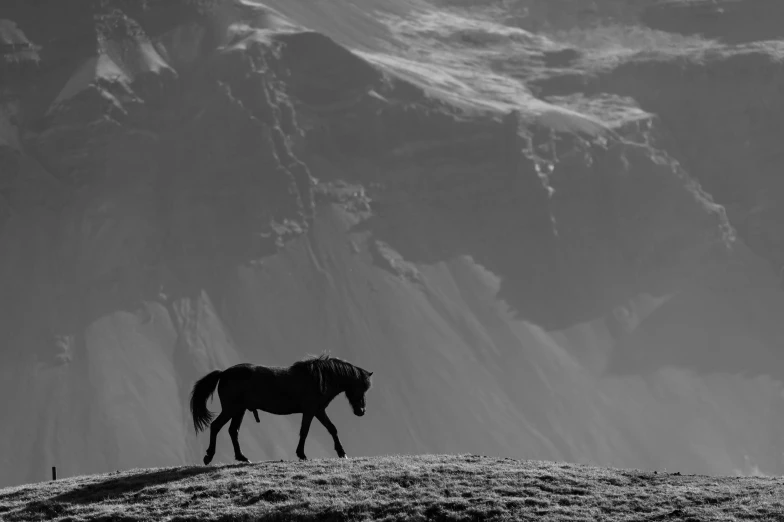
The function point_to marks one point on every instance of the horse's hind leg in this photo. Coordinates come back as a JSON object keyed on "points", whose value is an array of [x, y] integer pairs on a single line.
{"points": [[234, 431], [215, 427]]}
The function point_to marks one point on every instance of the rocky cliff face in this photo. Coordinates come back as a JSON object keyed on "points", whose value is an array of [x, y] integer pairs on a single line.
{"points": [[727, 138], [188, 185]]}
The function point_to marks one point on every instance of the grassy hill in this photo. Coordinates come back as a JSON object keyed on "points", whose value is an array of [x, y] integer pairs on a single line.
{"points": [[432, 487]]}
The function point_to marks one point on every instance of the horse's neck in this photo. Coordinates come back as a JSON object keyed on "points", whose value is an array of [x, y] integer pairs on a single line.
{"points": [[337, 385]]}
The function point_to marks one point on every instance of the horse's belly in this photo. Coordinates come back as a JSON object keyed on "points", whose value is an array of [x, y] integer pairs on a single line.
{"points": [[280, 411], [280, 407]]}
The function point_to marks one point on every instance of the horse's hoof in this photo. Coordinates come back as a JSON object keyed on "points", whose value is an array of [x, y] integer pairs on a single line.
{"points": [[207, 459], [342, 456], [302, 457], [241, 458]]}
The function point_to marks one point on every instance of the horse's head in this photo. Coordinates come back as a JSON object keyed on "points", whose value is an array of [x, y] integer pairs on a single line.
{"points": [[356, 391]]}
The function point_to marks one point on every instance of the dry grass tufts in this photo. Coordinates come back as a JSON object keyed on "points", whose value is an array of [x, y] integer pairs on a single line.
{"points": [[462, 487]]}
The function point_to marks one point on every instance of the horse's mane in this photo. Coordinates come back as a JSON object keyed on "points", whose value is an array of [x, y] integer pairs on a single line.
{"points": [[325, 370]]}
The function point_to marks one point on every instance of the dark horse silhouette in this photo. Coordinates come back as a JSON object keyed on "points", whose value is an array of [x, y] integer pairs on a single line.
{"points": [[305, 387]]}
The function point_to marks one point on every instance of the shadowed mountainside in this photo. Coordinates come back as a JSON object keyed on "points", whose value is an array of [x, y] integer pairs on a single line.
{"points": [[188, 185], [726, 138]]}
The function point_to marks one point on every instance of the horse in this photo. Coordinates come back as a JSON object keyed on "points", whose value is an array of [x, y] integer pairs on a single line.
{"points": [[308, 386]]}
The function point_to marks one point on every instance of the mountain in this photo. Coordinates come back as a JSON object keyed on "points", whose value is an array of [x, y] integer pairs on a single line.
{"points": [[559, 245]]}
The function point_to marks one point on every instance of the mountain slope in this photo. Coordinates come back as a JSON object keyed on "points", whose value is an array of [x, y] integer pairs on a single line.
{"points": [[186, 186]]}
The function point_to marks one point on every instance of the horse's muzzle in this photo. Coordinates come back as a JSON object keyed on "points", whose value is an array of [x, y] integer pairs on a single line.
{"points": [[359, 412]]}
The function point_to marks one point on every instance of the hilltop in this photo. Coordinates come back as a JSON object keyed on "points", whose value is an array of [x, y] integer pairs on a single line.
{"points": [[433, 487]]}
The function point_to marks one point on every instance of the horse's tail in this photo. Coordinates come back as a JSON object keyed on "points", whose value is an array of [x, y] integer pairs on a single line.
{"points": [[203, 390]]}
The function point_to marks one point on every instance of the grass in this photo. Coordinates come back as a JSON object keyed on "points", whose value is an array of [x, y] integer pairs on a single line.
{"points": [[445, 488]]}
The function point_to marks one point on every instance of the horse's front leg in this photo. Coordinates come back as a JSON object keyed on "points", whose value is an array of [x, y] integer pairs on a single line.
{"points": [[324, 419], [303, 434]]}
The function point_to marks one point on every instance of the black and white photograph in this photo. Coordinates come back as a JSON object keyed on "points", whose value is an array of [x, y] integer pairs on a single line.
{"points": [[391, 260]]}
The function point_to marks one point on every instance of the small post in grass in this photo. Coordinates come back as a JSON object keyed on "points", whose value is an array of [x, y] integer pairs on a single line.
{"points": [[54, 472]]}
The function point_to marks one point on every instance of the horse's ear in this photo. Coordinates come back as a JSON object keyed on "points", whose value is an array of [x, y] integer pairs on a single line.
{"points": [[370, 374]]}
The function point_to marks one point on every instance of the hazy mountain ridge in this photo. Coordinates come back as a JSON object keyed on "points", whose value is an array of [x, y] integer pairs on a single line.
{"points": [[222, 186]]}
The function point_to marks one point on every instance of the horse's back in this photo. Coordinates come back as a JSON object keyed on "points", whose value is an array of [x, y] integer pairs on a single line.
{"points": [[249, 371], [256, 376], [272, 389], [238, 371]]}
